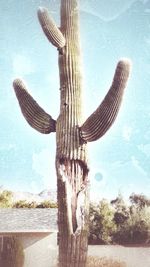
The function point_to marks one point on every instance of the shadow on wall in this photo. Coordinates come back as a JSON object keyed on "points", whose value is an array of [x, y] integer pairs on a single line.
{"points": [[11, 252], [29, 239], [28, 250]]}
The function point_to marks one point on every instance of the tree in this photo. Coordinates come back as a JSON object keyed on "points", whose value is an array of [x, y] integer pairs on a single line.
{"points": [[136, 229], [133, 222], [121, 210], [101, 226], [6, 199], [139, 200], [72, 133]]}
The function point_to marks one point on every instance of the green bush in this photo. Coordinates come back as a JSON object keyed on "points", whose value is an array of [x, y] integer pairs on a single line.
{"points": [[136, 230], [6, 199], [101, 224], [119, 223], [47, 204], [24, 204], [31, 205]]}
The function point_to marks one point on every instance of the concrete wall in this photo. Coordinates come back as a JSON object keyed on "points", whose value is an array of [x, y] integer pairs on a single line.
{"points": [[40, 250]]}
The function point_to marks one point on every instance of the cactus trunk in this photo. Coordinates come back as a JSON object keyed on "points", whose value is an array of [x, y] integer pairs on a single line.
{"points": [[72, 134], [71, 158]]}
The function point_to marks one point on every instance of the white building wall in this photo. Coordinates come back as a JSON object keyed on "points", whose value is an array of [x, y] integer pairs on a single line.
{"points": [[40, 251]]}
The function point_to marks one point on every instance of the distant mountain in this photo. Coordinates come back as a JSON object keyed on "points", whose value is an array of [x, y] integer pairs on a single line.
{"points": [[29, 197], [44, 195], [1, 188], [48, 194]]}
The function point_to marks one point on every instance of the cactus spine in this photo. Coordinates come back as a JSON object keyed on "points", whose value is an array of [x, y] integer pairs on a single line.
{"points": [[72, 134]]}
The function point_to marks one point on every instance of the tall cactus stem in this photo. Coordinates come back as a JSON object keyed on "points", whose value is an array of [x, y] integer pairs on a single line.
{"points": [[72, 134]]}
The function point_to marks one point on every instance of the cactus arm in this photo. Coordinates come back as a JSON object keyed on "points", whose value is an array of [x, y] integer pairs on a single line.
{"points": [[104, 116], [33, 113], [50, 29]]}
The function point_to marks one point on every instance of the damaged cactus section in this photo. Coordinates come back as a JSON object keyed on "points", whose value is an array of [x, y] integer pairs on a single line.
{"points": [[73, 181]]}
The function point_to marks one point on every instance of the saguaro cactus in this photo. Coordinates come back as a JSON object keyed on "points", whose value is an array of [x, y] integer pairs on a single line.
{"points": [[72, 134]]}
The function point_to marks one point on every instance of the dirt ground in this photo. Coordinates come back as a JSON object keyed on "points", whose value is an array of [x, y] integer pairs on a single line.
{"points": [[133, 256], [136, 256]]}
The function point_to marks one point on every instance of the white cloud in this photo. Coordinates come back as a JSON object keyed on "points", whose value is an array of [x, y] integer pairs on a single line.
{"points": [[127, 133], [97, 187], [144, 1], [128, 176], [8, 147], [104, 10], [145, 149], [22, 65], [137, 166], [147, 135], [43, 164], [34, 187], [147, 40], [53, 78], [147, 10]]}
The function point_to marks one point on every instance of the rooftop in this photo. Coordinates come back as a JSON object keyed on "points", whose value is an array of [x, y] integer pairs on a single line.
{"points": [[28, 220]]}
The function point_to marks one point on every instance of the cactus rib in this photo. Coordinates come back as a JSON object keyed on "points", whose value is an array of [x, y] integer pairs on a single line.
{"points": [[33, 113], [50, 29], [104, 116]]}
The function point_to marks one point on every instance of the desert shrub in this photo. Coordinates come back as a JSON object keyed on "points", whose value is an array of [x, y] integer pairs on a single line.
{"points": [[33, 204], [6, 199], [47, 204], [131, 234], [136, 230], [94, 261], [101, 224], [12, 254], [24, 204], [103, 262]]}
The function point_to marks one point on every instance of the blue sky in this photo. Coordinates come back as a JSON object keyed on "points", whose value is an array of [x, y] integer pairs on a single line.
{"points": [[110, 30]]}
